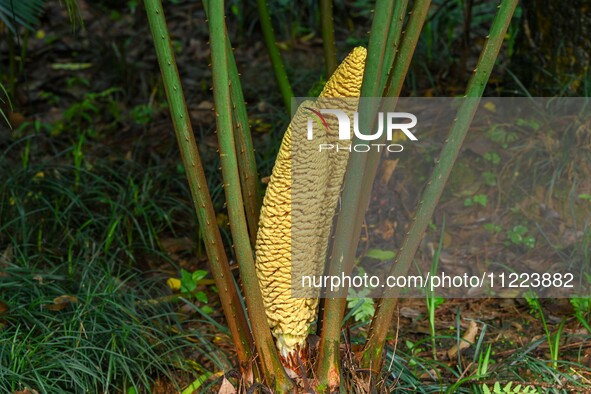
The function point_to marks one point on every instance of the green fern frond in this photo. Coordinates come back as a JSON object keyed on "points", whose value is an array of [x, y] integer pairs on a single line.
{"points": [[27, 13], [508, 389], [21, 12]]}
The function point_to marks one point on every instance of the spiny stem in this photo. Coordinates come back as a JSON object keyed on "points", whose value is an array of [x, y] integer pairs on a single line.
{"points": [[372, 353], [272, 368], [249, 178], [354, 199], [218, 262]]}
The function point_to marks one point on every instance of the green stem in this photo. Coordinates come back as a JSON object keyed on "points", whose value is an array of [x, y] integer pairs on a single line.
{"points": [[372, 353], [249, 178], [220, 269], [272, 368], [276, 61], [354, 201], [327, 26], [405, 44], [407, 47], [11, 64], [394, 38]]}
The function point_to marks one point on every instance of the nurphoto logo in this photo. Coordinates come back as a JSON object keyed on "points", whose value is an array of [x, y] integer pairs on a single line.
{"points": [[388, 122]]}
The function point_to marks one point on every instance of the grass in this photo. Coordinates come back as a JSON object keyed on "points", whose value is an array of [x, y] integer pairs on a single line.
{"points": [[415, 371], [102, 342], [81, 272]]}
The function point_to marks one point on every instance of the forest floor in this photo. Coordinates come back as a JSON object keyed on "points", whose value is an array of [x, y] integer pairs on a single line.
{"points": [[93, 176]]}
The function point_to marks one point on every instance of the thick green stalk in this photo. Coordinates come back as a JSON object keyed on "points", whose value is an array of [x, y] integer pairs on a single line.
{"points": [[327, 26], [272, 368], [348, 226], [394, 37], [372, 353], [406, 50], [274, 55], [220, 269], [395, 81], [249, 178]]}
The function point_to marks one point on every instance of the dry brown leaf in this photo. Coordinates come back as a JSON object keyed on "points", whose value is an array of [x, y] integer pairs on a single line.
{"points": [[468, 339], [61, 302], [386, 230], [6, 256], [226, 387], [3, 307], [177, 245], [27, 391], [388, 167]]}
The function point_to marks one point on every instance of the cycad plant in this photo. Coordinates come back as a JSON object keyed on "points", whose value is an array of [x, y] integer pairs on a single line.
{"points": [[393, 38]]}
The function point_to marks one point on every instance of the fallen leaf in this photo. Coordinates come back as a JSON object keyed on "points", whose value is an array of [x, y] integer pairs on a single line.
{"points": [[226, 387], [6, 256], [388, 167], [61, 302], [27, 391], [177, 245], [468, 339], [3, 307], [174, 284], [386, 230]]}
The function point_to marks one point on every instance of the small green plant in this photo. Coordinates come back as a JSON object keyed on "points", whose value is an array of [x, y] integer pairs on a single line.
{"points": [[361, 308], [553, 340], [142, 114], [582, 307], [490, 178], [530, 123], [415, 349], [493, 228], [519, 236], [508, 389], [478, 199], [484, 361], [432, 301], [493, 158], [82, 115], [190, 281], [501, 136]]}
